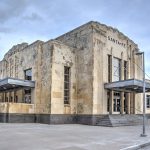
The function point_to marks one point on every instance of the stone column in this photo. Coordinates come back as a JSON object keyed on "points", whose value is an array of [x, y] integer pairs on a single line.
{"points": [[134, 109], [132, 103], [9, 98], [128, 94], [122, 78], [128, 103], [111, 102], [3, 95], [14, 100], [128, 69], [23, 96], [111, 68], [122, 102]]}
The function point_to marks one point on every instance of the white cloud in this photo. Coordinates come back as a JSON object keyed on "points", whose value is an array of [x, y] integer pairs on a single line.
{"points": [[26, 20]]}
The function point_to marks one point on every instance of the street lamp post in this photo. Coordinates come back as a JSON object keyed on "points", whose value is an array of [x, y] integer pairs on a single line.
{"points": [[144, 101]]}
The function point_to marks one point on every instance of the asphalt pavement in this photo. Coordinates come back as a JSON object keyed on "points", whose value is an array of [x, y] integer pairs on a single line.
{"points": [[69, 137]]}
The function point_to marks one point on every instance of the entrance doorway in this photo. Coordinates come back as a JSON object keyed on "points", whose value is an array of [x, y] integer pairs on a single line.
{"points": [[116, 102], [27, 96], [115, 106], [125, 103]]}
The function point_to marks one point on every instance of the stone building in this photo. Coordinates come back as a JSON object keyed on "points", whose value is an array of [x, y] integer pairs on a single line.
{"points": [[82, 76]]}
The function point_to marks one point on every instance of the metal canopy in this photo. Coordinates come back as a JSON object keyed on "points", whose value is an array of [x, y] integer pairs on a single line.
{"points": [[12, 84], [131, 85]]}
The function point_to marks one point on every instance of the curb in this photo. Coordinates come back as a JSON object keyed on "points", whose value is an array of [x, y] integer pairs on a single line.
{"points": [[136, 147]]}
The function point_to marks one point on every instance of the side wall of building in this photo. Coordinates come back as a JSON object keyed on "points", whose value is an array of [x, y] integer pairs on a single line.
{"points": [[81, 39], [15, 62], [106, 41], [44, 79], [94, 43], [63, 56], [110, 42]]}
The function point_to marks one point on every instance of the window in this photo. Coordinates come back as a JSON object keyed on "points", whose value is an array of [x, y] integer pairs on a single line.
{"points": [[66, 85], [28, 74], [16, 99], [125, 102], [27, 97], [6, 99], [27, 92], [117, 102], [125, 70], [11, 99], [116, 69], [109, 68], [148, 101]]}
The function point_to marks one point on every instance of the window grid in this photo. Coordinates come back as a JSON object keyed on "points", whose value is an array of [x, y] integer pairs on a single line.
{"points": [[148, 101], [66, 85], [28, 74], [109, 68], [116, 69], [125, 70]]}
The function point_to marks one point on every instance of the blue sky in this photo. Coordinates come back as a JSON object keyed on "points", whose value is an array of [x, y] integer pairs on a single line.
{"points": [[30, 20]]}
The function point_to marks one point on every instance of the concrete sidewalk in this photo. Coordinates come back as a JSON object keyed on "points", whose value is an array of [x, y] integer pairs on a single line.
{"points": [[69, 137]]}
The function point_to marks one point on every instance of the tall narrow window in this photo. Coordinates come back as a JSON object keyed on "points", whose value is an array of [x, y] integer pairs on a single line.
{"points": [[116, 69], [28, 74], [109, 68], [125, 70], [66, 85], [148, 101]]}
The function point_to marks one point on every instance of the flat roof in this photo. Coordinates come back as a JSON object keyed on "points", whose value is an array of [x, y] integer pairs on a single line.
{"points": [[13, 83], [130, 85]]}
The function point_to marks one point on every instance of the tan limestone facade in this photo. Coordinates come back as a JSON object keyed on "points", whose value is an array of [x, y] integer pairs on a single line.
{"points": [[69, 73]]}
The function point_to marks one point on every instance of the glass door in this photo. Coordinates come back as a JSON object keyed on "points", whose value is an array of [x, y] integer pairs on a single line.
{"points": [[116, 102]]}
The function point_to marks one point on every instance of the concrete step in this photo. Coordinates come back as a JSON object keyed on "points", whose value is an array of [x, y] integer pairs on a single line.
{"points": [[119, 120]]}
